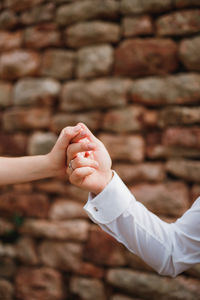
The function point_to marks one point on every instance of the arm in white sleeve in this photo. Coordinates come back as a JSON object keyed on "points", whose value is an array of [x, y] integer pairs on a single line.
{"points": [[168, 248]]}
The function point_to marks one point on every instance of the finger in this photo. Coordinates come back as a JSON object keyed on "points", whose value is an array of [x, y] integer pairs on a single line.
{"points": [[81, 135], [66, 135], [88, 133], [76, 148], [69, 168], [80, 162], [80, 173]]}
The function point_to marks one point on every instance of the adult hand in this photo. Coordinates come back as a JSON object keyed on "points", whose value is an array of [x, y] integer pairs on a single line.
{"points": [[89, 161]]}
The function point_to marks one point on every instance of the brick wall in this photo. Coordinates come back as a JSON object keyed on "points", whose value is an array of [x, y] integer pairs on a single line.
{"points": [[129, 69]]}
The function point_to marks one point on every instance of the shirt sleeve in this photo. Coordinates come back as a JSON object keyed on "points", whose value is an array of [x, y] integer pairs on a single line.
{"points": [[168, 248]]}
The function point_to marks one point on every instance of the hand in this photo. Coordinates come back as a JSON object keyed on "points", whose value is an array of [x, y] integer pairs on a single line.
{"points": [[57, 157], [90, 162]]}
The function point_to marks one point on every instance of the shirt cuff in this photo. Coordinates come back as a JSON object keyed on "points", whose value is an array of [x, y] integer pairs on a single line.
{"points": [[110, 203]]}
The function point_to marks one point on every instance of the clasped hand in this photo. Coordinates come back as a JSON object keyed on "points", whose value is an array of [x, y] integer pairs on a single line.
{"points": [[88, 162]]}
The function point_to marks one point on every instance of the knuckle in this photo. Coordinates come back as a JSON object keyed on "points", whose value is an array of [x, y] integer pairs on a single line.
{"points": [[72, 179], [63, 132], [77, 161], [67, 130], [76, 172]]}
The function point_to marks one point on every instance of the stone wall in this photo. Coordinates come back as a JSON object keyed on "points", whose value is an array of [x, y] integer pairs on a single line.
{"points": [[129, 69]]}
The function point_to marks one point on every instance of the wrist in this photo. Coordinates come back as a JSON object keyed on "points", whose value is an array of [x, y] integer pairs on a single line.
{"points": [[107, 178], [51, 170]]}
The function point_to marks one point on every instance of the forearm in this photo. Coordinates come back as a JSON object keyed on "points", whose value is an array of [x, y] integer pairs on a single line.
{"points": [[151, 239], [168, 248], [24, 169]]}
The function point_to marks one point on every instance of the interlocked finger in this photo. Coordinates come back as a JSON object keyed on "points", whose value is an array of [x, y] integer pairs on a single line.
{"points": [[81, 161], [74, 149]]}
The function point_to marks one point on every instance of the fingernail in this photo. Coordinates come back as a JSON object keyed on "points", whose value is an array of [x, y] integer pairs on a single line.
{"points": [[77, 128]]}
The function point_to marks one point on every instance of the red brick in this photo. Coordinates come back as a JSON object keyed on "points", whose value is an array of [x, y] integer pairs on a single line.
{"points": [[148, 285], [23, 119], [41, 143], [186, 3], [168, 199], [34, 91], [59, 187], [139, 57], [195, 192], [184, 137], [26, 251], [86, 33], [93, 61], [39, 283], [20, 5], [86, 10], [13, 145], [179, 23], [99, 93], [132, 173], [87, 269], [73, 230], [194, 271], [18, 63], [10, 40], [23, 187], [162, 152], [91, 119], [37, 14], [34, 205], [88, 288], [188, 170], [102, 249], [158, 148], [6, 289], [41, 36], [58, 64], [125, 148], [5, 226], [136, 263], [173, 89], [134, 26], [61, 255], [176, 115], [7, 270], [6, 94], [130, 118], [151, 6], [8, 19], [63, 209], [189, 53]]}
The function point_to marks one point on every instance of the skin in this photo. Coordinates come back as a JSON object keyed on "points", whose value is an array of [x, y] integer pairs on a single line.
{"points": [[91, 163], [29, 168]]}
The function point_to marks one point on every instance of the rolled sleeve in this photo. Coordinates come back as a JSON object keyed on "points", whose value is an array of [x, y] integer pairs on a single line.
{"points": [[110, 203]]}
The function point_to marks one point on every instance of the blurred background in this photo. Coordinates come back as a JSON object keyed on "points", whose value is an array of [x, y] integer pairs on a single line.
{"points": [[129, 69]]}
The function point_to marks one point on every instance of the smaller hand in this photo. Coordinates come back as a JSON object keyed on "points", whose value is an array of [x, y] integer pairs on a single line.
{"points": [[57, 156], [90, 163]]}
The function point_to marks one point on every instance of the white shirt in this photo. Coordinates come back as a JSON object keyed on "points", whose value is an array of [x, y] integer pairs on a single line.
{"points": [[168, 248]]}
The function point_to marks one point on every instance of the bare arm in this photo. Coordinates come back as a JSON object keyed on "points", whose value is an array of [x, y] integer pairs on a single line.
{"points": [[24, 169]]}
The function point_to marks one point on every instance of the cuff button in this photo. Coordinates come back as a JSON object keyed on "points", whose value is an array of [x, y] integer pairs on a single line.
{"points": [[95, 208]]}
